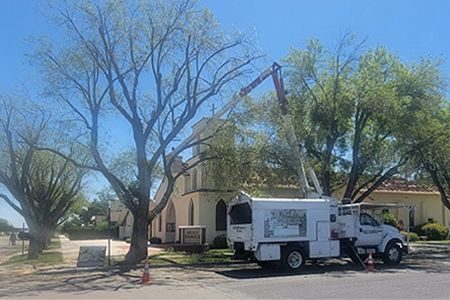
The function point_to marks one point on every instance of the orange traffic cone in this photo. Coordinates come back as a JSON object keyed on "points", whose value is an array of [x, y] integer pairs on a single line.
{"points": [[146, 276], [370, 264]]}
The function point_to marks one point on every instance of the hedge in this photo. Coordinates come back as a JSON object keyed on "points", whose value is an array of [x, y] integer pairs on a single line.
{"points": [[435, 231]]}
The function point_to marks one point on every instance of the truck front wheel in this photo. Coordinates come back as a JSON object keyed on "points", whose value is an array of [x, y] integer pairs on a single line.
{"points": [[392, 254], [292, 259]]}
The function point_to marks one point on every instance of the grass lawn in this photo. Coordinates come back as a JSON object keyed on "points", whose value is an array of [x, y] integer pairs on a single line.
{"points": [[50, 256], [184, 258]]}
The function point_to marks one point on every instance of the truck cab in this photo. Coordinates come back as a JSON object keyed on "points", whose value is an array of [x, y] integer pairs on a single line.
{"points": [[367, 234]]}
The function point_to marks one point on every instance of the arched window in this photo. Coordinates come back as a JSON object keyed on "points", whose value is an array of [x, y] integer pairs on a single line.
{"points": [[221, 216], [191, 213]]}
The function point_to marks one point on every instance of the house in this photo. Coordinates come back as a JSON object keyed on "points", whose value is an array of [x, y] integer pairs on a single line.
{"points": [[425, 198]]}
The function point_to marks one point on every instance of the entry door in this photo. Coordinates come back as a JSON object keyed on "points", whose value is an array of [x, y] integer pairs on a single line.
{"points": [[170, 224], [370, 231]]}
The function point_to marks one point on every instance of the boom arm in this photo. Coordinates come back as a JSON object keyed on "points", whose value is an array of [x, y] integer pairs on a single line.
{"points": [[275, 72]]}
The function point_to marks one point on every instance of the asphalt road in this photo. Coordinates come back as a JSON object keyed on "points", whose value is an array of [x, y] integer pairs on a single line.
{"points": [[395, 285], [6, 249], [423, 275]]}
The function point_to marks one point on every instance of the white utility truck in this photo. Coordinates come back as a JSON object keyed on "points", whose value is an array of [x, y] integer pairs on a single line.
{"points": [[287, 232]]}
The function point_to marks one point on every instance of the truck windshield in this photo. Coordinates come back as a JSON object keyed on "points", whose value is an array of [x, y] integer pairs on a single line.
{"points": [[240, 214]]}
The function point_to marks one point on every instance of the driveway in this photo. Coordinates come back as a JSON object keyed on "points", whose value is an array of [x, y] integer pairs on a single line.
{"points": [[70, 248]]}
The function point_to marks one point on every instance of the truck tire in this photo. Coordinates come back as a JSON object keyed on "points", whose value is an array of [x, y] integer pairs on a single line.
{"points": [[392, 254], [292, 259]]}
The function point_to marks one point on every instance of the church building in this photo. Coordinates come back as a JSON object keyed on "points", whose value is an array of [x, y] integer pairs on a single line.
{"points": [[194, 201]]}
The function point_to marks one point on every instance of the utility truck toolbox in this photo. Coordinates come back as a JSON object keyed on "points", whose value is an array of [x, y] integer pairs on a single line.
{"points": [[286, 232]]}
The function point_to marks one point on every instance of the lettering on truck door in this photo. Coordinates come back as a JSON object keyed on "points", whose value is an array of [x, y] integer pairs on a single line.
{"points": [[370, 231]]}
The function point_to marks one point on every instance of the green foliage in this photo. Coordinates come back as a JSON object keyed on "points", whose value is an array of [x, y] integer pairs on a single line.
{"points": [[418, 229], [350, 106], [435, 231], [389, 219], [413, 237], [102, 226], [5, 225], [220, 242]]}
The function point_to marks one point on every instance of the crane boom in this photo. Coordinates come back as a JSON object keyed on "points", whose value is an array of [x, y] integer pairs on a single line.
{"points": [[275, 71]]}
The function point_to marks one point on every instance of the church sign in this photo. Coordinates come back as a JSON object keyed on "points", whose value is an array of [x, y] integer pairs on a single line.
{"points": [[91, 256], [192, 235]]}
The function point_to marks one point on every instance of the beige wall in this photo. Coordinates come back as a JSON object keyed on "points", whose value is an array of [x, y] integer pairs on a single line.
{"points": [[427, 205], [181, 205], [207, 207]]}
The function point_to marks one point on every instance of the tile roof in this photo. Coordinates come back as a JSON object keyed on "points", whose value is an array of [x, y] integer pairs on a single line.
{"points": [[402, 185]]}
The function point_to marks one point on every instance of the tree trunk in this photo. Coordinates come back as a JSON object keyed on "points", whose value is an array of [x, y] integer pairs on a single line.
{"points": [[38, 242], [139, 238]]}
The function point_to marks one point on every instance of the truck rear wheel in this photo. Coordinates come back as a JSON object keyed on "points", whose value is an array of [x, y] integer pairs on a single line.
{"points": [[292, 259], [392, 254]]}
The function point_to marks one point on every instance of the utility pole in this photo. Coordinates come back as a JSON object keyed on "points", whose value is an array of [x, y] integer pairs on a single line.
{"points": [[109, 233], [23, 239]]}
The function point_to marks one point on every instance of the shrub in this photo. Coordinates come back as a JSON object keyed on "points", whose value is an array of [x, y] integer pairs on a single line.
{"points": [[418, 229], [389, 219], [220, 242], [102, 226], [435, 231], [413, 237], [191, 248], [155, 240]]}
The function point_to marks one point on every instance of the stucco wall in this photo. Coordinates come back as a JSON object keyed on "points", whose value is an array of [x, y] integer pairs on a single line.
{"points": [[427, 206], [208, 202]]}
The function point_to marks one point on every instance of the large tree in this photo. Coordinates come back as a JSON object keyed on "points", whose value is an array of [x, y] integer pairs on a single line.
{"points": [[43, 186], [151, 65], [350, 107]]}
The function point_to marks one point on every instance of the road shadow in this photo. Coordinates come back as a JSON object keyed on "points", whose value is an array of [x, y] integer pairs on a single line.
{"points": [[426, 259]]}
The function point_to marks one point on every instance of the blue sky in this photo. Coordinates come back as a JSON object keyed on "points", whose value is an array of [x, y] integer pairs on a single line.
{"points": [[410, 29]]}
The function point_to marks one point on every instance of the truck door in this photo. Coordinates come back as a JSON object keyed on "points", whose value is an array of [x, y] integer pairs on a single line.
{"points": [[370, 231]]}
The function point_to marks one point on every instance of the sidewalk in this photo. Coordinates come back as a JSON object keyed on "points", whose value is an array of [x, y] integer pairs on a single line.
{"points": [[71, 248]]}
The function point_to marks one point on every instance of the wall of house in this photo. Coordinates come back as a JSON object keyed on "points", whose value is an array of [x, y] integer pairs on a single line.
{"points": [[427, 206]]}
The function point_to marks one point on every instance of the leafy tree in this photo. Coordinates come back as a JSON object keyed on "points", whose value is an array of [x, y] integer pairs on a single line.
{"points": [[432, 151], [150, 65], [43, 186], [350, 109], [5, 225]]}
